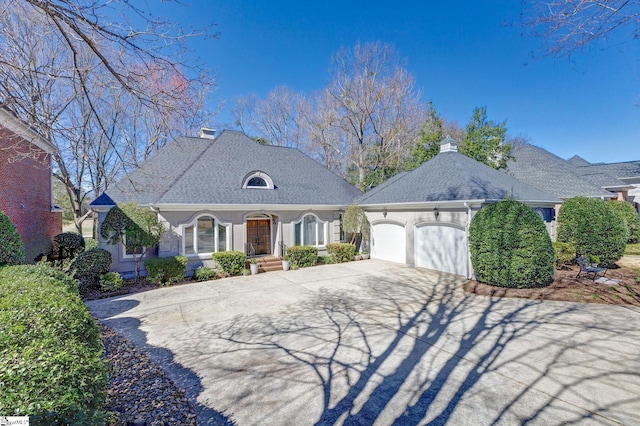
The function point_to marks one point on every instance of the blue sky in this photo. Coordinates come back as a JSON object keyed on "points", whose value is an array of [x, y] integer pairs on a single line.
{"points": [[462, 54]]}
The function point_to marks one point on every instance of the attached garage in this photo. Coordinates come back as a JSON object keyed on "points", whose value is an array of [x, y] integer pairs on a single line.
{"points": [[442, 247], [389, 242]]}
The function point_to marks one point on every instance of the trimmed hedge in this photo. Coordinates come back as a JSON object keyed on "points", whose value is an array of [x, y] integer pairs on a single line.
{"points": [[565, 254], [89, 267], [202, 273], [629, 214], [303, 256], [111, 281], [50, 350], [166, 270], [230, 262], [341, 252], [11, 248], [68, 245], [594, 227], [510, 246]]}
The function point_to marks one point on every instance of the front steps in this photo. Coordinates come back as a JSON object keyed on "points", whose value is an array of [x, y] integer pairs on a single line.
{"points": [[267, 263]]}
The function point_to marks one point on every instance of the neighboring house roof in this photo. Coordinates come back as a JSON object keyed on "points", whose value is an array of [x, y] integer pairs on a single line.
{"points": [[212, 171], [550, 173], [576, 161], [451, 176], [9, 120]]}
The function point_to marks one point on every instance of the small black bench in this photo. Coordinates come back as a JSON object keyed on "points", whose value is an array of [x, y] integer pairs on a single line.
{"points": [[590, 268]]}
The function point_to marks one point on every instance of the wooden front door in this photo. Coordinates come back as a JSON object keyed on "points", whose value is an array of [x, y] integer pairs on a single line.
{"points": [[259, 234]]}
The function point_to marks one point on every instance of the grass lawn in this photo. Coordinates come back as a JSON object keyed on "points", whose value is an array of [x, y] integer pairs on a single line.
{"points": [[632, 249]]}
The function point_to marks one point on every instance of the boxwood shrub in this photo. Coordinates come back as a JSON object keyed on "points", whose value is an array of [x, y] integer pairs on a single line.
{"points": [[202, 273], [302, 256], [593, 227], [510, 246], [629, 214], [565, 254], [50, 350], [341, 252], [230, 262], [68, 245], [89, 266], [11, 248], [166, 270]]}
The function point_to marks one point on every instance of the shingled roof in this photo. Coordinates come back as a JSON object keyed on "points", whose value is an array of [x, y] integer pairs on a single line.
{"points": [[451, 176], [550, 173], [212, 171]]}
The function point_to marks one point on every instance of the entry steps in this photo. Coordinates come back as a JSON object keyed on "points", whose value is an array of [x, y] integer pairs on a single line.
{"points": [[267, 263]]}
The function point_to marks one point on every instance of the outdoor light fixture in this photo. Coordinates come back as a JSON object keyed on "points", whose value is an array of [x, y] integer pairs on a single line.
{"points": [[436, 212], [384, 212]]}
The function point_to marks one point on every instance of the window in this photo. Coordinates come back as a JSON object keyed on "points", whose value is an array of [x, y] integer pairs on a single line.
{"points": [[259, 180], [256, 182], [205, 235], [128, 253], [310, 231]]}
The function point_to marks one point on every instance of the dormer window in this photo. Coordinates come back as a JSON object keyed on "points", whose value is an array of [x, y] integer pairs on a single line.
{"points": [[258, 180]]}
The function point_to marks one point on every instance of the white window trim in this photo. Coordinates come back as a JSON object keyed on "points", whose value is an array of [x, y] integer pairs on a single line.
{"points": [[319, 221], [261, 175], [126, 256], [216, 237]]}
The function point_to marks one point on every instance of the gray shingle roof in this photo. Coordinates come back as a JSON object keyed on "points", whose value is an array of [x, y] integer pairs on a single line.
{"points": [[576, 161], [206, 171], [550, 173], [451, 176], [619, 170]]}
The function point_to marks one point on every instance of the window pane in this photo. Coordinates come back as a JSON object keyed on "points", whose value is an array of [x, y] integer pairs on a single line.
{"points": [[298, 234], [310, 230], [206, 235], [321, 234], [222, 238], [188, 240], [257, 181]]}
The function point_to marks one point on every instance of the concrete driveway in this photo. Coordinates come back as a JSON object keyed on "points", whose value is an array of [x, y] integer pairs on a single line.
{"points": [[373, 342]]}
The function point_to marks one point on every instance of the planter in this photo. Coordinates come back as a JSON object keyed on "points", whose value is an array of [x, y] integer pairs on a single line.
{"points": [[285, 265], [365, 256], [254, 268]]}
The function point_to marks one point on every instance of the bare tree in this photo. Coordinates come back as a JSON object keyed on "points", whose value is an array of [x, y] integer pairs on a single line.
{"points": [[102, 80], [569, 25]]}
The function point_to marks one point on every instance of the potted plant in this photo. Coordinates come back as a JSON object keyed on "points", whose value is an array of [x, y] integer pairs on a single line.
{"points": [[365, 255], [285, 263], [253, 264]]}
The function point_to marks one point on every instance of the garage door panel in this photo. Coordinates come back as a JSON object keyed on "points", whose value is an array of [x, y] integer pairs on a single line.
{"points": [[389, 242], [443, 248]]}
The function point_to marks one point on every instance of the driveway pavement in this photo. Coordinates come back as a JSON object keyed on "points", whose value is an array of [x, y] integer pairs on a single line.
{"points": [[373, 342]]}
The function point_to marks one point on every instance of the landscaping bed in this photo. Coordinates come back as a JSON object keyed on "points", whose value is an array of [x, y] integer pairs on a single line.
{"points": [[567, 288]]}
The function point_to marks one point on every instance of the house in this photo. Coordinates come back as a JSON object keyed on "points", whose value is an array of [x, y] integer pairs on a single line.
{"points": [[422, 217], [622, 178], [26, 195], [228, 192]]}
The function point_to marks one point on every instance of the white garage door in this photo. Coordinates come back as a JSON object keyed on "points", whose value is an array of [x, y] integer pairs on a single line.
{"points": [[389, 242], [443, 248]]}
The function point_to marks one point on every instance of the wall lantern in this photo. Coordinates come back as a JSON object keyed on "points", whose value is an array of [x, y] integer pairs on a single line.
{"points": [[384, 212], [436, 212]]}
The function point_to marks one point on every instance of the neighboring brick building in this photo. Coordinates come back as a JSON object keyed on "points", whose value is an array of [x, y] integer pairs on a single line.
{"points": [[26, 195]]}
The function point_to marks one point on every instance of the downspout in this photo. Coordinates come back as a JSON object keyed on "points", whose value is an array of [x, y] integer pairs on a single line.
{"points": [[467, 230]]}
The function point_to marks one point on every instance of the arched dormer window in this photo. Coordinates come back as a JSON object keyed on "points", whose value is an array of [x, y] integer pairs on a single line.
{"points": [[258, 180]]}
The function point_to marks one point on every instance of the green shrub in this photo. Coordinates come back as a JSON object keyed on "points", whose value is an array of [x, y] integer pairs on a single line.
{"points": [[510, 246], [565, 254], [111, 281], [593, 227], [230, 262], [50, 350], [11, 248], [202, 273], [166, 270], [341, 252], [302, 256], [629, 214], [68, 245], [326, 260], [90, 243], [89, 267]]}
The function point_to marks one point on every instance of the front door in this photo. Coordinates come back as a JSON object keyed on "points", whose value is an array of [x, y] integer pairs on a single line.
{"points": [[259, 234]]}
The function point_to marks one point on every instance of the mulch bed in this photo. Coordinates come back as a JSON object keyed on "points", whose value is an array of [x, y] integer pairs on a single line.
{"points": [[567, 288]]}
